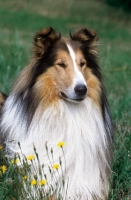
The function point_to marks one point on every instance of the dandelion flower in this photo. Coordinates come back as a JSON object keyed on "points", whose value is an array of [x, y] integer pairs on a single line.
{"points": [[15, 161], [31, 157], [42, 182], [56, 166], [3, 169], [61, 144], [33, 182], [1, 147], [25, 177]]}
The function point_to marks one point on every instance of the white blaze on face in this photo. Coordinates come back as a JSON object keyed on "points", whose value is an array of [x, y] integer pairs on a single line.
{"points": [[77, 80], [78, 76]]}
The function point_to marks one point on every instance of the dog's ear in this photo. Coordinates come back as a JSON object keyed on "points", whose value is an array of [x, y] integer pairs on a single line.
{"points": [[87, 37], [44, 39]]}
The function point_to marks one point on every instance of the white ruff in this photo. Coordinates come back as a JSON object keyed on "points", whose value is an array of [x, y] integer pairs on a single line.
{"points": [[81, 127]]}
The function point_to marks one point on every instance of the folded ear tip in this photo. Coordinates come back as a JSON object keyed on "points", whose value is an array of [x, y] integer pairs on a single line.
{"points": [[84, 34], [43, 39], [43, 33], [90, 33]]}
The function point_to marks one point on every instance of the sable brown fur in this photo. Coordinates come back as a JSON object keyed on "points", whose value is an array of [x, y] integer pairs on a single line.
{"points": [[43, 39], [2, 99]]}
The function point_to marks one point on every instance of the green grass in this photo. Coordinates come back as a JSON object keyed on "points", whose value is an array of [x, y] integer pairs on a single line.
{"points": [[20, 183], [20, 20]]}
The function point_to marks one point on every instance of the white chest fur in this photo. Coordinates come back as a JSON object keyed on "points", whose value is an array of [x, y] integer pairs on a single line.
{"points": [[81, 127]]}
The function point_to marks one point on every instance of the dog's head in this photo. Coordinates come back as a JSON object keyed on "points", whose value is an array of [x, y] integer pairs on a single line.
{"points": [[63, 68]]}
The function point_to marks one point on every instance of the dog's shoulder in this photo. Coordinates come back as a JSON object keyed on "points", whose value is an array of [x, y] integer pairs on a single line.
{"points": [[3, 97]]}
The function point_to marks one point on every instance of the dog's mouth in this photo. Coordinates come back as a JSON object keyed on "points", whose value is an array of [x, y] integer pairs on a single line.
{"points": [[64, 96]]}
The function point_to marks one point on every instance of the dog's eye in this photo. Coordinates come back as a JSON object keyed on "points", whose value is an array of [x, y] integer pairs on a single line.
{"points": [[82, 63], [62, 65]]}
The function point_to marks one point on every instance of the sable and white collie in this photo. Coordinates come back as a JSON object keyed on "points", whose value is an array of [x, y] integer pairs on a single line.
{"points": [[60, 96]]}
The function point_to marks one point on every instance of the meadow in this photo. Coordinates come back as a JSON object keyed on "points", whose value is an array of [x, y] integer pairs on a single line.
{"points": [[20, 20]]}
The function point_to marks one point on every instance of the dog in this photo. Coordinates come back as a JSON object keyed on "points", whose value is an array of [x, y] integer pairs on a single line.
{"points": [[60, 96]]}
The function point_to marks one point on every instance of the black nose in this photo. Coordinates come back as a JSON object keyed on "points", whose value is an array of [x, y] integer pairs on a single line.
{"points": [[80, 90]]}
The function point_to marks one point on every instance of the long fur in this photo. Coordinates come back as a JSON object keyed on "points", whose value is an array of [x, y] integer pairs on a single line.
{"points": [[36, 112], [2, 99]]}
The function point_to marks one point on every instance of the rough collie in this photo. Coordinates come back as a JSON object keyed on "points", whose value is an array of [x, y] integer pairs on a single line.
{"points": [[60, 96]]}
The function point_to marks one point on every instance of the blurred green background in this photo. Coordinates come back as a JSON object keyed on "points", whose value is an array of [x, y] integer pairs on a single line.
{"points": [[20, 20]]}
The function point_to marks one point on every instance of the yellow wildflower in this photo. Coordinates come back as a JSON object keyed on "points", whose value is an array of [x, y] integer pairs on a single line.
{"points": [[25, 177], [1, 147], [42, 182], [56, 166], [3, 169], [15, 161], [61, 144], [31, 157], [33, 182]]}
